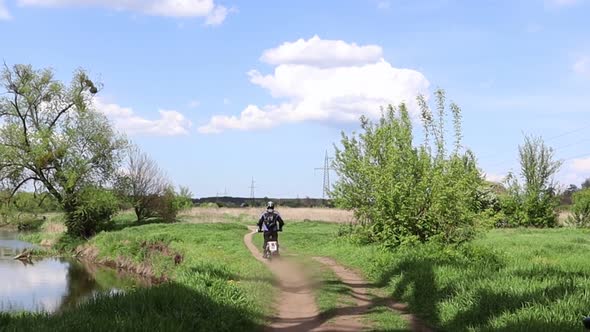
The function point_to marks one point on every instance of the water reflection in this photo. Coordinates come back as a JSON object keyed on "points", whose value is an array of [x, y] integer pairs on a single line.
{"points": [[51, 284]]}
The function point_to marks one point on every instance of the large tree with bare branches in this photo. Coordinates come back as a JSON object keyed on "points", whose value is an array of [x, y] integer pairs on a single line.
{"points": [[143, 182], [52, 139]]}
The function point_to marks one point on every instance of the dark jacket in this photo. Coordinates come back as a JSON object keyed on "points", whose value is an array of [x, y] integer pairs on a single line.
{"points": [[275, 217]]}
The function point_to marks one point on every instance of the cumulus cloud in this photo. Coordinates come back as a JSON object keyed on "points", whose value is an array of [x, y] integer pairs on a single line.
{"points": [[4, 13], [214, 14], [170, 123], [582, 66], [322, 53], [324, 80]]}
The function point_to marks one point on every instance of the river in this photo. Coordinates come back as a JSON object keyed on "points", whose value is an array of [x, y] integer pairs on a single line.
{"points": [[51, 284]]}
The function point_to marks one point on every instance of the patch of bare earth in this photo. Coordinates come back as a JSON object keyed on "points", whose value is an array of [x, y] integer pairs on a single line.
{"points": [[317, 214], [142, 269], [365, 301], [297, 310]]}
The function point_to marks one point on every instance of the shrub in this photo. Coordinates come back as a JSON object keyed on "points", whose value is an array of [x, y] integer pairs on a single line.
{"points": [[406, 194], [94, 210], [580, 210], [533, 203]]}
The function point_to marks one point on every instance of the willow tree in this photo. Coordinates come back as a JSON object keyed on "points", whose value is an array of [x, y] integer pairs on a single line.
{"points": [[51, 139]]}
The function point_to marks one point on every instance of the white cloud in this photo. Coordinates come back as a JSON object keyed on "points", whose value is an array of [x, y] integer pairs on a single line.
{"points": [[170, 123], [217, 16], [4, 13], [582, 66], [214, 14], [226, 101], [322, 53], [327, 80]]}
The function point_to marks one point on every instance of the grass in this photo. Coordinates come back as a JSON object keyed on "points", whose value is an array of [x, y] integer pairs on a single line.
{"points": [[507, 280], [216, 287]]}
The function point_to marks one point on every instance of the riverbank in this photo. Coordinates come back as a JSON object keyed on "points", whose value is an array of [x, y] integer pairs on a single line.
{"points": [[216, 286]]}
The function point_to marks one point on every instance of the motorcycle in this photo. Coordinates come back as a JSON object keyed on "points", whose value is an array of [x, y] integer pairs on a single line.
{"points": [[272, 248]]}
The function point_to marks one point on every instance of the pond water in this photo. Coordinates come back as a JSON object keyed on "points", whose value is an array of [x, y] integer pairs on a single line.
{"points": [[52, 284]]}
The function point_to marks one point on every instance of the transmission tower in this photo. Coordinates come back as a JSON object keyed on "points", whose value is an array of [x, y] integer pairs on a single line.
{"points": [[252, 196], [326, 169]]}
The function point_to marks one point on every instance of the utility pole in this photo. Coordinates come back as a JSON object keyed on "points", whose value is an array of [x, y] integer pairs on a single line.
{"points": [[326, 169], [252, 196]]}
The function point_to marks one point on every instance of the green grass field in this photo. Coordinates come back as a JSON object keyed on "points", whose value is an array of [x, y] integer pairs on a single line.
{"points": [[507, 280], [217, 287]]}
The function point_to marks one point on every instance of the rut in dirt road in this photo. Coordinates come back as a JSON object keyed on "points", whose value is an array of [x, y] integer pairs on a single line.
{"points": [[297, 307]]}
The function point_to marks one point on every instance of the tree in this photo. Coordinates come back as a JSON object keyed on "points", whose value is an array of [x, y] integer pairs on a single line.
{"points": [[580, 211], [586, 184], [566, 196], [143, 183], [52, 139], [403, 193], [534, 202]]}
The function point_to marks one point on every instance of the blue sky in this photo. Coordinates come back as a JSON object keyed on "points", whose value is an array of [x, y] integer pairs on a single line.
{"points": [[219, 92]]}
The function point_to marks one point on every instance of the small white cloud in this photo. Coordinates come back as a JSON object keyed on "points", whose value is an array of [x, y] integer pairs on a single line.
{"points": [[217, 16], [582, 66], [194, 104], [214, 14], [170, 123], [4, 13], [314, 89], [226, 101], [322, 53]]}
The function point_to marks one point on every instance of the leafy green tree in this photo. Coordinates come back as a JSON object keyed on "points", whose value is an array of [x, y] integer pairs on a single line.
{"points": [[580, 211], [52, 138], [534, 202], [586, 184], [403, 193]]}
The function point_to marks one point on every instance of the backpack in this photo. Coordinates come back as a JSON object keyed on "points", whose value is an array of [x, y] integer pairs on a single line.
{"points": [[270, 220]]}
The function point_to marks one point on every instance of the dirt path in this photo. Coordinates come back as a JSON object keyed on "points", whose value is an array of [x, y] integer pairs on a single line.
{"points": [[297, 308], [365, 301]]}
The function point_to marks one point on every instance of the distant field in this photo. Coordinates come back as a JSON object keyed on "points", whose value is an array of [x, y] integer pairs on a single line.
{"points": [[221, 214]]}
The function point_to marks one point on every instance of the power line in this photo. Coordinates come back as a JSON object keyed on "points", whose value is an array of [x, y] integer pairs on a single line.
{"points": [[252, 196], [326, 169]]}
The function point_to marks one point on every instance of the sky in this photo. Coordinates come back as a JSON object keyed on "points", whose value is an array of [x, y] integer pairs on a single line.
{"points": [[220, 92]]}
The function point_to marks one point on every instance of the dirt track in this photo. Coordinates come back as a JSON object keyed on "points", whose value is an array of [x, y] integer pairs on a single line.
{"points": [[297, 308]]}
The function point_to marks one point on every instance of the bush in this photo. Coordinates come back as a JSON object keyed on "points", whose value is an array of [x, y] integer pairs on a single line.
{"points": [[580, 210], [168, 205], [94, 208], [534, 203], [403, 194], [27, 224]]}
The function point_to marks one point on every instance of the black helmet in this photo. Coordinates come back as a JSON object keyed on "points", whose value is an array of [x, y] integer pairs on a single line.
{"points": [[270, 206]]}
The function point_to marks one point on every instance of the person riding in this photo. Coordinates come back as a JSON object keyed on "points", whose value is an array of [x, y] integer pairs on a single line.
{"points": [[270, 223]]}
